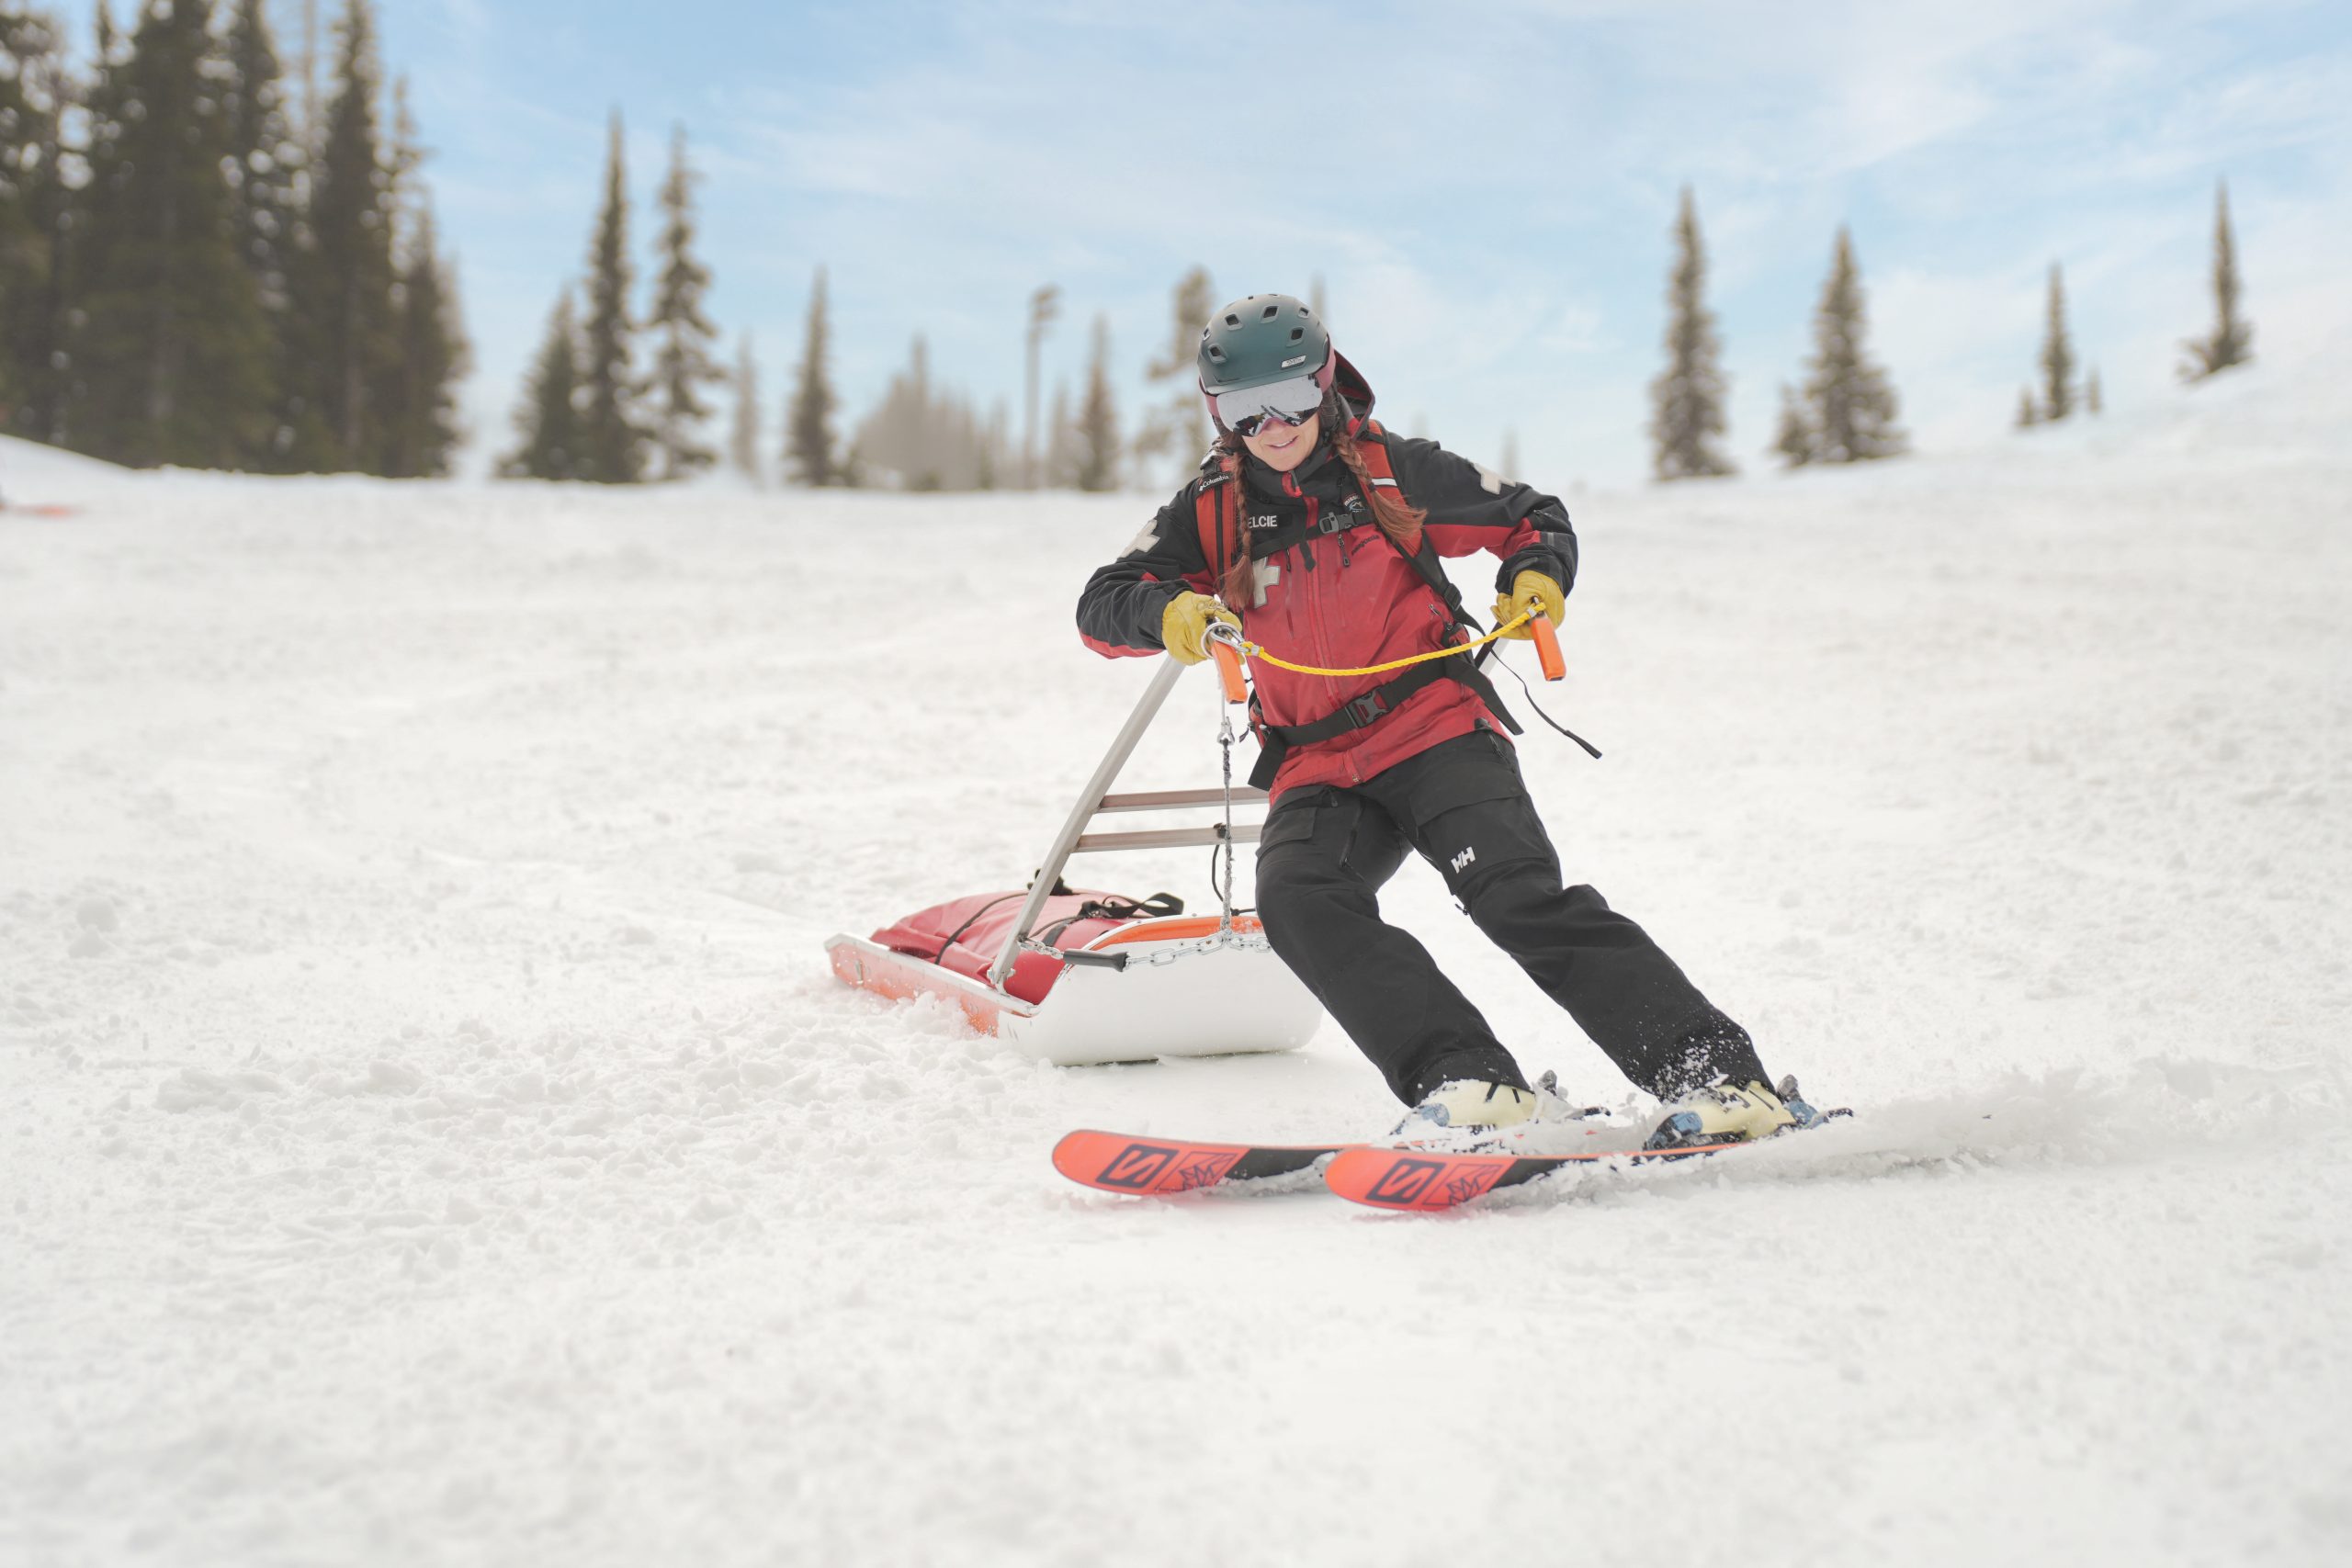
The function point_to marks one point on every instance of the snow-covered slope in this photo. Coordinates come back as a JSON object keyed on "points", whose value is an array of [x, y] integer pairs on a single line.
{"points": [[428, 1133]]}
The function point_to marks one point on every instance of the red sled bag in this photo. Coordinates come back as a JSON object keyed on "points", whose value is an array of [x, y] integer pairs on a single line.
{"points": [[966, 934]]}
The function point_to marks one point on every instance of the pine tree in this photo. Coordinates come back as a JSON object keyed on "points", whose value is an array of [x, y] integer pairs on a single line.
{"points": [[34, 204], [1793, 438], [1098, 418], [433, 359], [547, 420], [350, 326], [1044, 306], [2029, 415], [2057, 355], [924, 437], [995, 459], [743, 444], [1180, 422], [94, 217], [808, 441], [1849, 407], [1511, 468], [1061, 442], [416, 401], [174, 347], [267, 171], [1688, 396], [612, 442], [2232, 339], [682, 365], [2091, 404]]}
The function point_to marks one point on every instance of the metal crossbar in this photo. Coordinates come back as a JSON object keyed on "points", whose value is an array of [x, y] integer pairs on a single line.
{"points": [[1074, 839]]}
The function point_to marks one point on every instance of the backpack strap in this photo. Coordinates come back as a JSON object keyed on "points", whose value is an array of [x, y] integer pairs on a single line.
{"points": [[1215, 510]]}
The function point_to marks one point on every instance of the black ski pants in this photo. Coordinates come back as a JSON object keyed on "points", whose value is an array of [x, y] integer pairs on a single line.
{"points": [[1325, 852]]}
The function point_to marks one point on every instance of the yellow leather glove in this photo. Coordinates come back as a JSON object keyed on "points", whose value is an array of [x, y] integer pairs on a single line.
{"points": [[1184, 626], [1529, 590]]}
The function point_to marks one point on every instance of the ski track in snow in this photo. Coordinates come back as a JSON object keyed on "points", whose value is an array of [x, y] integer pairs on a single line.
{"points": [[428, 1132]]}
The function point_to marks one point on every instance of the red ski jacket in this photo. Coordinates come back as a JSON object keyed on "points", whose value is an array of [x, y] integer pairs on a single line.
{"points": [[1333, 591]]}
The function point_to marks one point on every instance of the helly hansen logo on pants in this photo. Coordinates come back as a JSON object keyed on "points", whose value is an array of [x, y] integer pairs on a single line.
{"points": [[1464, 858]]}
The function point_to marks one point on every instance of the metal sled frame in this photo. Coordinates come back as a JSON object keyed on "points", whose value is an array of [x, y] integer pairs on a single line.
{"points": [[1181, 986]]}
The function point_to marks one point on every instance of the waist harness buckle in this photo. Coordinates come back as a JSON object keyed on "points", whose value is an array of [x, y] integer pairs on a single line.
{"points": [[1363, 711]]}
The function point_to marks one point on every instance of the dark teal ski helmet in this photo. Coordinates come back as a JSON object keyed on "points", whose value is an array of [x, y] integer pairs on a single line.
{"points": [[1263, 339]]}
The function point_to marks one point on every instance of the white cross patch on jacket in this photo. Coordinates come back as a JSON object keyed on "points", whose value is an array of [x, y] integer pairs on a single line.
{"points": [[1263, 574]]}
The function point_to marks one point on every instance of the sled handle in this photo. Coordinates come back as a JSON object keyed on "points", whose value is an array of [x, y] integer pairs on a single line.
{"points": [[1547, 647], [1228, 668]]}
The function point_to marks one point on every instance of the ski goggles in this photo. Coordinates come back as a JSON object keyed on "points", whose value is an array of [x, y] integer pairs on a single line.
{"points": [[1247, 411]]}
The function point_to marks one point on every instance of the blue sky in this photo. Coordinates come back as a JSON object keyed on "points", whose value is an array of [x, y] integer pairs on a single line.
{"points": [[1486, 189]]}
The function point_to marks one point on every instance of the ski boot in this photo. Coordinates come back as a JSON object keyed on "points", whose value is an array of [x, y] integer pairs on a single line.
{"points": [[1472, 1116], [1735, 1113]]}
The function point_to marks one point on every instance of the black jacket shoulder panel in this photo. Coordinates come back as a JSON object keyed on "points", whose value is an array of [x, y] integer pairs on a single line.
{"points": [[1122, 605]]}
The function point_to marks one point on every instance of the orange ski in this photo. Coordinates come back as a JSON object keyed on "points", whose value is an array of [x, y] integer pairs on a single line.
{"points": [[1117, 1162], [1427, 1180]]}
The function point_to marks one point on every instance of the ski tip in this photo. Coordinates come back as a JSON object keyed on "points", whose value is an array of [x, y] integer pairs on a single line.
{"points": [[1160, 1167], [1413, 1181]]}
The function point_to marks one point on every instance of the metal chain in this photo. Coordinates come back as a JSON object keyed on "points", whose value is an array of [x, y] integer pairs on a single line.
{"points": [[1225, 739]]}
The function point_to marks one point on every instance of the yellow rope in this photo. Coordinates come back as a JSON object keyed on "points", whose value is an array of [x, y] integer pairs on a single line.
{"points": [[1256, 652]]}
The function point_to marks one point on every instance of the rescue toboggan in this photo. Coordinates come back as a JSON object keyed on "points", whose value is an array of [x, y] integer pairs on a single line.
{"points": [[1078, 977]]}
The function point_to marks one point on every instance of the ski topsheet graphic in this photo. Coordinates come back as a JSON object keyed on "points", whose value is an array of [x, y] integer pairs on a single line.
{"points": [[1427, 1179], [1118, 1162]]}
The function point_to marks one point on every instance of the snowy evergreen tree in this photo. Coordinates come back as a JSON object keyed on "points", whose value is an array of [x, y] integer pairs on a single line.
{"points": [[612, 443], [1045, 307], [546, 424], [682, 364], [1792, 437], [921, 436], [995, 465], [1850, 408], [1510, 469], [2057, 354], [2091, 404], [1061, 442], [1098, 418], [34, 203], [1179, 422], [417, 400], [1687, 397], [348, 299], [2029, 411], [809, 440], [2232, 340], [424, 432], [266, 178], [173, 349], [743, 441]]}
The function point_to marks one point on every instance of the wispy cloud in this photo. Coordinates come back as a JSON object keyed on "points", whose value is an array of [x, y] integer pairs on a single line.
{"points": [[1485, 188]]}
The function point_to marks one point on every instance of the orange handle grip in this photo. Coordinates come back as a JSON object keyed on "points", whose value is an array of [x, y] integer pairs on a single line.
{"points": [[1547, 647], [1228, 666]]}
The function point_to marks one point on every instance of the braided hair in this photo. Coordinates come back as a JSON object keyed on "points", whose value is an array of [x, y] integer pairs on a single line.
{"points": [[1401, 522]]}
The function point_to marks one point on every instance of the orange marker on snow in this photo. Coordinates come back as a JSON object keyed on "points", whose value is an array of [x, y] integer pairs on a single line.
{"points": [[1547, 647]]}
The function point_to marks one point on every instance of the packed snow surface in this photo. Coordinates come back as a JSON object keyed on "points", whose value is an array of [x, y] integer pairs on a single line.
{"points": [[429, 1133]]}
